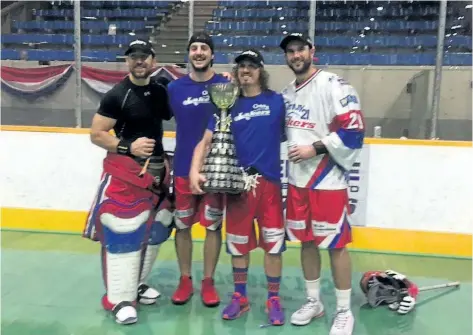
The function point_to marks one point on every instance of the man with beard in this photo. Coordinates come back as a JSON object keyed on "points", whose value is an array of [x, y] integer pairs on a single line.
{"points": [[192, 109], [258, 130], [127, 215], [325, 130]]}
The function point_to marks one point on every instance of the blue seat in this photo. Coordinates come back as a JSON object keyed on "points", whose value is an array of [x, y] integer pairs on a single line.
{"points": [[9, 54]]}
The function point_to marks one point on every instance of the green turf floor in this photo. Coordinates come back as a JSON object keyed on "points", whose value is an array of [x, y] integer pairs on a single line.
{"points": [[51, 285]]}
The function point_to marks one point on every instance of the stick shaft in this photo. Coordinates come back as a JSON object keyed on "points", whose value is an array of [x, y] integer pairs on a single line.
{"points": [[434, 287], [145, 167]]}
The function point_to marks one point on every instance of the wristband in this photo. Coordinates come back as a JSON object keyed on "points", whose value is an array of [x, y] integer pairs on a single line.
{"points": [[320, 148], [124, 148]]}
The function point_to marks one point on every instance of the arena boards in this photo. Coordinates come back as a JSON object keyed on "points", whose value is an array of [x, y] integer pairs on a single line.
{"points": [[381, 231]]}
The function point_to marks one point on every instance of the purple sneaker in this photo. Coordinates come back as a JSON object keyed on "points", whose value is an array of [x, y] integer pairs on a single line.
{"points": [[236, 307], [275, 311]]}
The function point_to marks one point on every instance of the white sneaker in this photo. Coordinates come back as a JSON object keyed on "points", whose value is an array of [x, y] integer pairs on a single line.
{"points": [[343, 323], [310, 310], [147, 295], [125, 313]]}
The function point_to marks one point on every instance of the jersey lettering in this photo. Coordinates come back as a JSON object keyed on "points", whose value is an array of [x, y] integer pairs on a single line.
{"points": [[296, 110], [205, 98], [258, 110], [300, 124]]}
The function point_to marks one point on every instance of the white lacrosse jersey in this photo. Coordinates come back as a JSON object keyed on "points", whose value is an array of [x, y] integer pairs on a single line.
{"points": [[324, 108]]}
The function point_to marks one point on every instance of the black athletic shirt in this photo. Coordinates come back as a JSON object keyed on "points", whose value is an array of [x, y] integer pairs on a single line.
{"points": [[139, 111]]}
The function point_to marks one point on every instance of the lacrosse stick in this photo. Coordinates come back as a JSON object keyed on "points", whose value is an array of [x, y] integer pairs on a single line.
{"points": [[384, 293], [145, 167]]}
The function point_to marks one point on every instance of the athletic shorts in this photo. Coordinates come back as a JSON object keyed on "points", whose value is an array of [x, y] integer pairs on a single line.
{"points": [[190, 208], [263, 204], [322, 216]]}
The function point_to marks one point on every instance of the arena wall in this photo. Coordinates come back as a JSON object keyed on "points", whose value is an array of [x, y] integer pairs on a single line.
{"points": [[416, 195], [386, 97]]}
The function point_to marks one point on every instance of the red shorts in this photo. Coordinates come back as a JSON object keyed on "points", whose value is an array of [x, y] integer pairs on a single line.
{"points": [[322, 216], [190, 208], [263, 204]]}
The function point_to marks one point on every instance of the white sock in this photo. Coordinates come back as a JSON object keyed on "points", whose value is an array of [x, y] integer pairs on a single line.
{"points": [[343, 298], [313, 288]]}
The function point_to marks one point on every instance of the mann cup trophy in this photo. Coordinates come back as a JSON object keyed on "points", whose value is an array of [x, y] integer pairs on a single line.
{"points": [[221, 168]]}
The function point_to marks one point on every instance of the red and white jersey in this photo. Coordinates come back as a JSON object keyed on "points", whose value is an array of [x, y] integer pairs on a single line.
{"points": [[324, 108]]}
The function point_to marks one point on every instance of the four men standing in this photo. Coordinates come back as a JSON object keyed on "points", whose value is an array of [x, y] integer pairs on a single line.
{"points": [[320, 114]]}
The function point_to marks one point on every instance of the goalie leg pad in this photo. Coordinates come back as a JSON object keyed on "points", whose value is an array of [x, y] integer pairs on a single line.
{"points": [[124, 233], [161, 229]]}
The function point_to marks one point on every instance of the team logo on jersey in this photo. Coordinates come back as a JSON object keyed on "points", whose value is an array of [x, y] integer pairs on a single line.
{"points": [[257, 111], [348, 100], [203, 99], [297, 111], [301, 124]]}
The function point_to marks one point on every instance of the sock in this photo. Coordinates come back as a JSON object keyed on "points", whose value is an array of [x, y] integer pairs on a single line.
{"points": [[313, 289], [273, 286], [343, 298], [240, 278]]}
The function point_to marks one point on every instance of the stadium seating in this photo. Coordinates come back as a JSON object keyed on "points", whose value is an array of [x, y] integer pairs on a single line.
{"points": [[346, 32], [50, 35]]}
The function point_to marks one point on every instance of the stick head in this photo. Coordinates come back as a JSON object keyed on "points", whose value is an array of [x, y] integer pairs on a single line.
{"points": [[380, 288], [383, 293]]}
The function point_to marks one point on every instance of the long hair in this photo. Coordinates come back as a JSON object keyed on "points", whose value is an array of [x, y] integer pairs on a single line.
{"points": [[263, 78]]}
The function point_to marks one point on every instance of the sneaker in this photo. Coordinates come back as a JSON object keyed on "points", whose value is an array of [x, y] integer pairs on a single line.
{"points": [[236, 307], [147, 295], [312, 309], [209, 294], [183, 292], [275, 311], [124, 312], [343, 323]]}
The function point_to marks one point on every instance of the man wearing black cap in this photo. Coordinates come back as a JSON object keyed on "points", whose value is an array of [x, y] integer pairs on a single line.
{"points": [[325, 130], [127, 216], [192, 109], [258, 129]]}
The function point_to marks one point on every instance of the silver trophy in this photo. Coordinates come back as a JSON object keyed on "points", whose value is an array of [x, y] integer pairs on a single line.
{"points": [[221, 168]]}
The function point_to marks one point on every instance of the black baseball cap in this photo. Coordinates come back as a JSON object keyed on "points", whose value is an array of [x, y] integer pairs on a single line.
{"points": [[251, 54], [201, 37], [304, 38], [140, 47]]}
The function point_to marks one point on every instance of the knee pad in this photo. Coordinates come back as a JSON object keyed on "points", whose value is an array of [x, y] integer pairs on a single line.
{"points": [[161, 228], [124, 229]]}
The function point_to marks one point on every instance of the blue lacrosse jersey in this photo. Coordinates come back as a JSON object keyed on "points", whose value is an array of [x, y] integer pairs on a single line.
{"points": [[192, 109], [258, 125]]}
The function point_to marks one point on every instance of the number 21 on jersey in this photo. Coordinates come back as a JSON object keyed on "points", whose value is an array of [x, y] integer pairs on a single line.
{"points": [[355, 120]]}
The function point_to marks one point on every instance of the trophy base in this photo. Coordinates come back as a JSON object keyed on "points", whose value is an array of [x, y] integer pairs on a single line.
{"points": [[222, 190]]}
